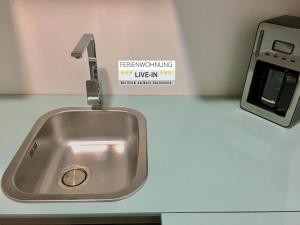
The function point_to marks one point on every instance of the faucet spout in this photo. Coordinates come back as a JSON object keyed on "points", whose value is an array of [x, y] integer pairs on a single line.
{"points": [[93, 86]]}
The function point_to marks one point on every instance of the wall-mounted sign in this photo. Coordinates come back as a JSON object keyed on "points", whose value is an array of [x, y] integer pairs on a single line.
{"points": [[145, 72]]}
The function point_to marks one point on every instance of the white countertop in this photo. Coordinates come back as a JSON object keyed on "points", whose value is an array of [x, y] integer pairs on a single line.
{"points": [[204, 155]]}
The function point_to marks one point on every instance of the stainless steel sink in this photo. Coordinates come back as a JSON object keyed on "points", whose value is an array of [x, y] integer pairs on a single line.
{"points": [[80, 154]]}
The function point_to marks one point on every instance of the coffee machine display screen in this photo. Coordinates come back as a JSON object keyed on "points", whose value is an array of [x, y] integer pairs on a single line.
{"points": [[283, 47]]}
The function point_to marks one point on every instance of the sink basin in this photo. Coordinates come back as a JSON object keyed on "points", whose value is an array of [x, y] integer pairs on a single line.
{"points": [[80, 154]]}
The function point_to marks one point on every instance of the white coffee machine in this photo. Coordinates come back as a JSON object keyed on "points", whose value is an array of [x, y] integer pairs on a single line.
{"points": [[272, 87]]}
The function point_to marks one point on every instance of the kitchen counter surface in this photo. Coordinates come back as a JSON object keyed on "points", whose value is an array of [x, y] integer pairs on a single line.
{"points": [[204, 155]]}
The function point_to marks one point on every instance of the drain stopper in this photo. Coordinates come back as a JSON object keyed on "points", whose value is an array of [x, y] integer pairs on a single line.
{"points": [[74, 177]]}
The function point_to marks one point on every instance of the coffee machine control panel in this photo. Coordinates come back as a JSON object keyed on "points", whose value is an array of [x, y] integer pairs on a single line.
{"points": [[283, 47]]}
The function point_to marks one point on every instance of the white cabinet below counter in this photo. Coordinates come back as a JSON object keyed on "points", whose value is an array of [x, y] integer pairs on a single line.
{"points": [[265, 218]]}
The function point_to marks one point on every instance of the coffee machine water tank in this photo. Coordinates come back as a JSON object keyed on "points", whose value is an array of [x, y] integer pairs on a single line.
{"points": [[272, 87]]}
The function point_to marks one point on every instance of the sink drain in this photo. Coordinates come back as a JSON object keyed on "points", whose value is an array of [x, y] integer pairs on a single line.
{"points": [[74, 177]]}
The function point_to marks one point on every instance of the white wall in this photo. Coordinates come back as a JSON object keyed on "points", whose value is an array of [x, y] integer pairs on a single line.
{"points": [[210, 40]]}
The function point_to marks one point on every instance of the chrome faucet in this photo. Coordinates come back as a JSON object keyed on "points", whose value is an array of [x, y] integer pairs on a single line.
{"points": [[93, 86]]}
